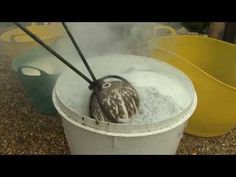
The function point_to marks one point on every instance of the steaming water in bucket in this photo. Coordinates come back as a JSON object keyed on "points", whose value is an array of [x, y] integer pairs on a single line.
{"points": [[162, 94], [154, 106]]}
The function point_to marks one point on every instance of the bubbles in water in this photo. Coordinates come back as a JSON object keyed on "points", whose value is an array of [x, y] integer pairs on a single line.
{"points": [[161, 96], [154, 106]]}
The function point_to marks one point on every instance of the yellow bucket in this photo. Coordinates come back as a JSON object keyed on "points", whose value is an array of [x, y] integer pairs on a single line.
{"points": [[15, 41], [211, 65]]}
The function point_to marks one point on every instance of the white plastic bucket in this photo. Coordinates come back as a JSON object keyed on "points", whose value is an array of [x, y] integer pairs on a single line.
{"points": [[85, 136]]}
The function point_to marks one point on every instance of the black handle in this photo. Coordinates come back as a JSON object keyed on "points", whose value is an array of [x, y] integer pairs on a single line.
{"points": [[79, 51]]}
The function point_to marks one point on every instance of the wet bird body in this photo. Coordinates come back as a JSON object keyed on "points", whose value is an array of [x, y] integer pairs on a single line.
{"points": [[115, 101]]}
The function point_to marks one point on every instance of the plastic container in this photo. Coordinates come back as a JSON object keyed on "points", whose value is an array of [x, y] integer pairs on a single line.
{"points": [[16, 42], [211, 65], [86, 136], [39, 85], [38, 72]]}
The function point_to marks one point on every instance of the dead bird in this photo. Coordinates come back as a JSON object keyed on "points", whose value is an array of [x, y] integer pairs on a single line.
{"points": [[115, 101]]}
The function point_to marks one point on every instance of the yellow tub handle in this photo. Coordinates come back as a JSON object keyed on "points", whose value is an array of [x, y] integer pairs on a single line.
{"points": [[172, 31], [14, 36], [34, 24]]}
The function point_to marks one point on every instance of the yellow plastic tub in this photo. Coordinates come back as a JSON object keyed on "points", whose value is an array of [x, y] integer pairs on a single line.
{"points": [[15, 41], [211, 65]]}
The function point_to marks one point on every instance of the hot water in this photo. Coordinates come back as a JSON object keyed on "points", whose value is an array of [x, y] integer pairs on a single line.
{"points": [[161, 94]]}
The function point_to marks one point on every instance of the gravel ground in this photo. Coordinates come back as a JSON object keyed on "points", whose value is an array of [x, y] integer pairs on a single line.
{"points": [[25, 131], [22, 129]]}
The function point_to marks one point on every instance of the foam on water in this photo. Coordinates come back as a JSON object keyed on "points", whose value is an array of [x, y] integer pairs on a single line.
{"points": [[162, 95], [154, 106]]}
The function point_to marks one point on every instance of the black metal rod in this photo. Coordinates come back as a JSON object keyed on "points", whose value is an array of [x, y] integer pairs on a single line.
{"points": [[79, 51], [53, 52]]}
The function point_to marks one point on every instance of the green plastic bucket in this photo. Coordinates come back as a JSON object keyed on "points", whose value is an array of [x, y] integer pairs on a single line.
{"points": [[38, 72], [39, 85]]}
